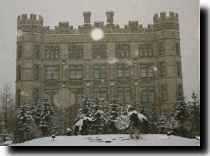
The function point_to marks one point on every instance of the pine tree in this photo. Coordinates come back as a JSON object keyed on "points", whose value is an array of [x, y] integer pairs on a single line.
{"points": [[194, 115], [112, 118], [21, 127], [45, 118], [181, 114]]}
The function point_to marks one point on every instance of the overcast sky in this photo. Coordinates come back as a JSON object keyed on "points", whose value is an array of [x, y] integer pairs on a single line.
{"points": [[55, 11]]}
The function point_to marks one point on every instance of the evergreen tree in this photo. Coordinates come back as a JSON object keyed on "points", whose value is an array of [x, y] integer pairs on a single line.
{"points": [[194, 115], [21, 127], [181, 114], [111, 128], [45, 118]]}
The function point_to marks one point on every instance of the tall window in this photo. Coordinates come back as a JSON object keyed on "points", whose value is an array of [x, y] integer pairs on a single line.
{"points": [[123, 71], [179, 68], [75, 51], [19, 73], [162, 69], [36, 51], [36, 93], [19, 51], [177, 49], [52, 96], [52, 73], [161, 50], [146, 50], [100, 92], [124, 95], [123, 50], [75, 72], [164, 93], [146, 71], [52, 52], [148, 94], [99, 72], [99, 51], [36, 72], [18, 97], [77, 96]]}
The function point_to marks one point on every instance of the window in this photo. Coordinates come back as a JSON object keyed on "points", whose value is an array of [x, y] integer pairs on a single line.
{"points": [[100, 92], [52, 52], [178, 68], [19, 73], [75, 51], [147, 94], [124, 95], [161, 51], [18, 97], [36, 51], [19, 51], [52, 73], [36, 72], [36, 93], [99, 51], [123, 50], [162, 69], [177, 49], [146, 71], [52, 96], [77, 96], [146, 50], [99, 72], [123, 71], [75, 72], [164, 93]]}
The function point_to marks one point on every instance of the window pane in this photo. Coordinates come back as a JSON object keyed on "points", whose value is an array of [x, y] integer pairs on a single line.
{"points": [[151, 96], [120, 97], [79, 98], [127, 97], [55, 99], [48, 75], [79, 75], [144, 96], [72, 75], [127, 73], [119, 73]]}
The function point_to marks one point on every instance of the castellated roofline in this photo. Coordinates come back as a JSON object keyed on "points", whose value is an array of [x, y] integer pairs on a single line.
{"points": [[161, 22]]}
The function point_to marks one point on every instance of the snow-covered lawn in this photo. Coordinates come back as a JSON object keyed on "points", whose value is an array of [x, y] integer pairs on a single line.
{"points": [[112, 140]]}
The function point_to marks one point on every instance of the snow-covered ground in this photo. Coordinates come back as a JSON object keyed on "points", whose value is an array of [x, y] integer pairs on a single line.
{"points": [[112, 140]]}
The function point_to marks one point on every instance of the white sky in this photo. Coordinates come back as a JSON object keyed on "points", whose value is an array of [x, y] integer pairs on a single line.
{"points": [[55, 11]]}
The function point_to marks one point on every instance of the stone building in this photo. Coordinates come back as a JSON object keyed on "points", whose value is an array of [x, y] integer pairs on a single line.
{"points": [[136, 64]]}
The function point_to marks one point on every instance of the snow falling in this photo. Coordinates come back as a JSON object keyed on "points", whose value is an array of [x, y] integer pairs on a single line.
{"points": [[97, 34]]}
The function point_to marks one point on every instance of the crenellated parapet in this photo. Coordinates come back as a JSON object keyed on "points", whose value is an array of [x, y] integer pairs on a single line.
{"points": [[163, 17], [23, 20], [161, 22]]}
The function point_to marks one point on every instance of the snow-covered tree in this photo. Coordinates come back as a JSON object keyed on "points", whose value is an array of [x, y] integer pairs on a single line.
{"points": [[45, 118], [113, 114], [7, 108], [181, 114], [137, 122], [194, 115]]}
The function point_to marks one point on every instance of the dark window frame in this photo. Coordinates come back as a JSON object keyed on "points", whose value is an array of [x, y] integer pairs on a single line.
{"points": [[164, 93], [19, 51], [52, 52], [99, 51], [126, 91], [36, 96], [52, 73], [145, 50], [18, 97], [51, 93], [146, 92], [100, 92], [36, 72], [161, 48], [75, 51], [100, 71], [179, 73], [177, 48], [123, 71], [76, 70], [19, 72], [148, 68], [36, 51], [162, 69], [123, 50]]}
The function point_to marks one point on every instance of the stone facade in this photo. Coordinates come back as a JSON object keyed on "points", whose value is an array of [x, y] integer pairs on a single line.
{"points": [[131, 63]]}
